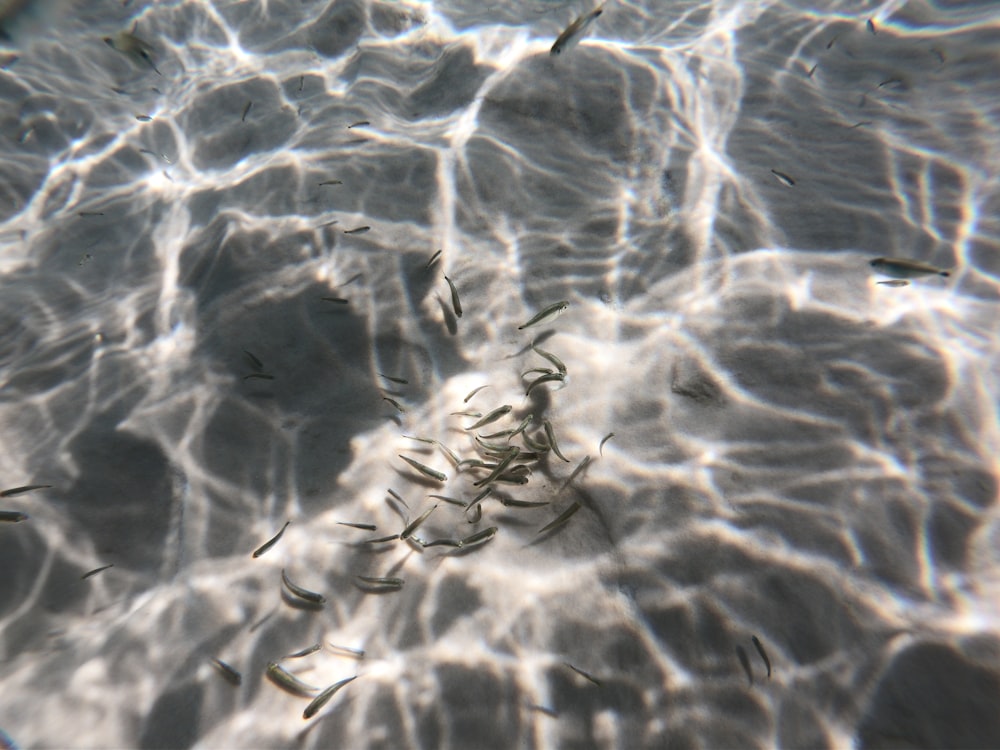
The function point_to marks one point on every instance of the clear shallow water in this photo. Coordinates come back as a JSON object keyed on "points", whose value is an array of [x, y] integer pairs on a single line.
{"points": [[799, 453]]}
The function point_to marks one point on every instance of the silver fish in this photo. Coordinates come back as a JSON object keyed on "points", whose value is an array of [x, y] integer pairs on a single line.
{"points": [[575, 31], [357, 653], [552, 311], [550, 434], [551, 358], [903, 268], [763, 654], [783, 178], [456, 303], [270, 542], [433, 260], [231, 675], [285, 679], [388, 583], [479, 537], [425, 470], [246, 111], [391, 379], [362, 526], [605, 439], [555, 377], [473, 392], [95, 571], [493, 416], [310, 596], [26, 488], [893, 283], [138, 50], [305, 652], [583, 674], [563, 518], [395, 403], [323, 698], [413, 526]]}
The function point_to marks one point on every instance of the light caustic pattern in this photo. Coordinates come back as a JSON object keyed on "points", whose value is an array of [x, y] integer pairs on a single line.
{"points": [[799, 453]]}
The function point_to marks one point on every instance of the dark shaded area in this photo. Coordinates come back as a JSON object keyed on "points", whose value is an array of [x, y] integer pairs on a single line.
{"points": [[172, 723], [931, 697]]}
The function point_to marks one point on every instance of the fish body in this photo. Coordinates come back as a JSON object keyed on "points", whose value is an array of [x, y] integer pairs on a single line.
{"points": [[493, 416], [405, 533], [427, 471], [138, 50], [12, 516], [903, 268], [321, 700], [286, 680], [310, 596], [95, 571], [552, 311], [893, 283], [231, 676], [763, 654], [270, 542], [575, 31], [456, 303], [26, 488], [783, 178]]}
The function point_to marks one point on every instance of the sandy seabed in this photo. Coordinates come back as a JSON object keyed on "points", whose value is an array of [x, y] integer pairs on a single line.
{"points": [[219, 313]]}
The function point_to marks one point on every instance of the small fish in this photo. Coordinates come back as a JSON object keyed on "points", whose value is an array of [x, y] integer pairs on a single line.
{"points": [[143, 118], [860, 124], [425, 470], [479, 498], [550, 434], [302, 82], [832, 41], [533, 445], [231, 676], [331, 182], [563, 518], [574, 31], [605, 439], [512, 503], [395, 496], [583, 674], [893, 283], [441, 543], [902, 268], [783, 178], [413, 526], [392, 583], [891, 82], [336, 300], [500, 468], [26, 488], [763, 655], [246, 111], [270, 542], [479, 537], [473, 392], [285, 679], [391, 379], [580, 467], [552, 311], [12, 516], [381, 539], [447, 499], [310, 596], [871, 26], [357, 653], [479, 515], [555, 377], [456, 303], [362, 526], [304, 652], [812, 70], [357, 230], [469, 414], [91, 213], [360, 123], [95, 571], [323, 698], [493, 416], [256, 363], [433, 260], [745, 661], [550, 357], [133, 47], [258, 376], [395, 403]]}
